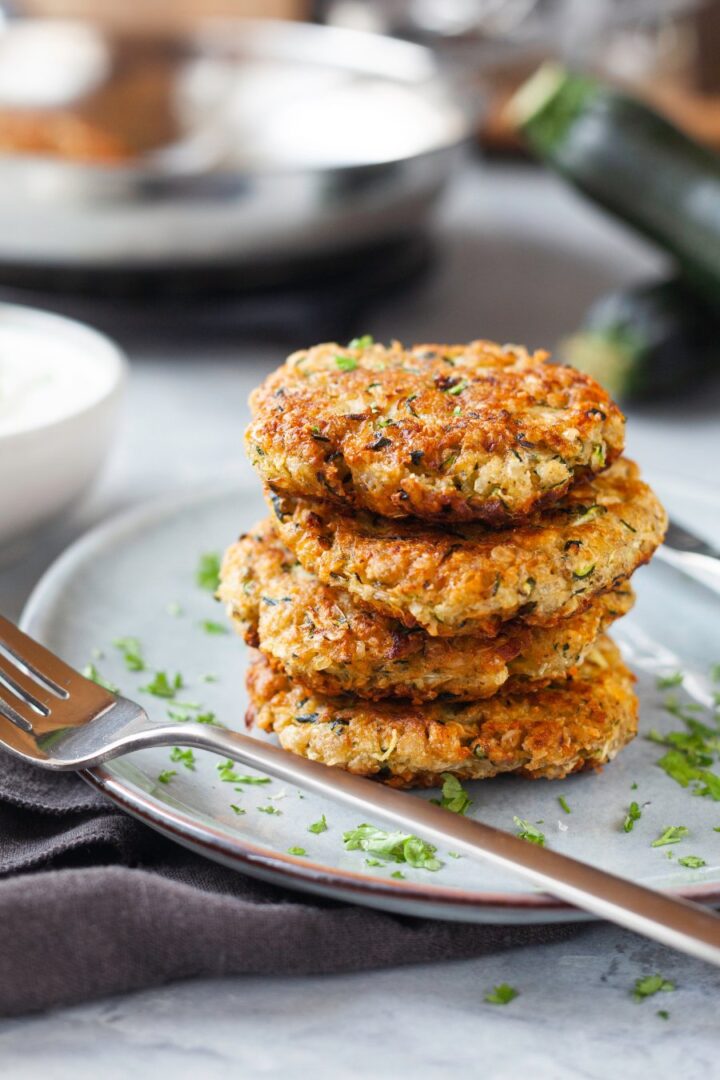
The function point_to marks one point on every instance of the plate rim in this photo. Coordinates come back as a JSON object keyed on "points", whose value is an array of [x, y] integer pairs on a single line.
{"points": [[184, 828]]}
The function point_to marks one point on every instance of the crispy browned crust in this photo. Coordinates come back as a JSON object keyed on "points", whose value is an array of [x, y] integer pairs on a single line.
{"points": [[440, 432], [319, 635], [470, 579], [580, 724]]}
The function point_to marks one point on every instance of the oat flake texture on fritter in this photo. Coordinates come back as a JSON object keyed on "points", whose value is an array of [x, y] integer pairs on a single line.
{"points": [[471, 579], [579, 724], [481, 432], [320, 636]]}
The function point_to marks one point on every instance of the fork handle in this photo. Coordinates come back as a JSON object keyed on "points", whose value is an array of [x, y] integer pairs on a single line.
{"points": [[678, 923]]}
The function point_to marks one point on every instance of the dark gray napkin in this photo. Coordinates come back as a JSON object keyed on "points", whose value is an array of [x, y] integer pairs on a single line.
{"points": [[92, 903]]}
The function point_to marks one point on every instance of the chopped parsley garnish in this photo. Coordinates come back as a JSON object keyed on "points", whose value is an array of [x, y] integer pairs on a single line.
{"points": [[398, 874], [209, 678], [166, 776], [207, 575], [363, 342], [180, 716], [182, 711], [346, 363], [454, 795], [392, 846], [174, 609], [269, 810], [663, 1014], [131, 653], [681, 768], [527, 831], [318, 826], [692, 751], [374, 862], [227, 774], [297, 851], [501, 995], [634, 814], [563, 803], [693, 862], [186, 757], [664, 682], [92, 673], [207, 718], [237, 809], [649, 985], [163, 687], [683, 710], [673, 834], [211, 627]]}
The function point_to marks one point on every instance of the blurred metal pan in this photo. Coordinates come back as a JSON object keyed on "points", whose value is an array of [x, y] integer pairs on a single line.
{"points": [[248, 144]]}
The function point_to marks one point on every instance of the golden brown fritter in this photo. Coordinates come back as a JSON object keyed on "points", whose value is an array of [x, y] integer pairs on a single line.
{"points": [[318, 635], [469, 579], [440, 432], [578, 724]]}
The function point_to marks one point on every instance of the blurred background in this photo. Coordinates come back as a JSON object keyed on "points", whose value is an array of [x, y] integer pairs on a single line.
{"points": [[214, 183], [277, 164]]}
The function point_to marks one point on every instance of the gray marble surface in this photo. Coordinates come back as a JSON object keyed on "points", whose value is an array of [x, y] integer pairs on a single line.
{"points": [[520, 259], [573, 1020]]}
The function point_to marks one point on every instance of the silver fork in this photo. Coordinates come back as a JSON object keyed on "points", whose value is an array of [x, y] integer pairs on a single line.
{"points": [[55, 718]]}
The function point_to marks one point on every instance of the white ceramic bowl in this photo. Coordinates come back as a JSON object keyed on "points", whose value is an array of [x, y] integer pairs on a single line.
{"points": [[60, 390]]}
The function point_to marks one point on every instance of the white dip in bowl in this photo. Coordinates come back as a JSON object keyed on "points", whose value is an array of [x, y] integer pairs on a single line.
{"points": [[60, 388]]}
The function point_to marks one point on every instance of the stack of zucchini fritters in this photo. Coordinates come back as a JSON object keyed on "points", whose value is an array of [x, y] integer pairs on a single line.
{"points": [[451, 533]]}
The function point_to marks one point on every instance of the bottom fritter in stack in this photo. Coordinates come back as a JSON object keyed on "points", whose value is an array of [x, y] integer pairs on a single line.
{"points": [[405, 649]]}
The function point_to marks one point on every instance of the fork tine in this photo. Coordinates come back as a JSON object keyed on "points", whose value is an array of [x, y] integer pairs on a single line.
{"points": [[48, 667], [17, 711], [69, 698], [34, 694]]}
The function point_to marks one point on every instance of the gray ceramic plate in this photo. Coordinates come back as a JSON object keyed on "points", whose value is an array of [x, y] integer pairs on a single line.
{"points": [[126, 577]]}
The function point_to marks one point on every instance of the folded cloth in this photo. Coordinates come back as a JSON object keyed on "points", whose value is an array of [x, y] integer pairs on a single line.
{"points": [[92, 902]]}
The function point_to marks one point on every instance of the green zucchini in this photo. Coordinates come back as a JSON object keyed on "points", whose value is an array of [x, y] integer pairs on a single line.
{"points": [[646, 341], [632, 162]]}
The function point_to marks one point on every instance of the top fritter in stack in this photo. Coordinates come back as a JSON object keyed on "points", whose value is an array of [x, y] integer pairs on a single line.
{"points": [[452, 531]]}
